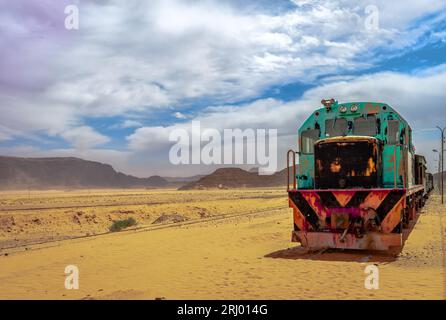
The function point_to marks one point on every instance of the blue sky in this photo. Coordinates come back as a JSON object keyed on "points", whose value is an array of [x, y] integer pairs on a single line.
{"points": [[114, 89]]}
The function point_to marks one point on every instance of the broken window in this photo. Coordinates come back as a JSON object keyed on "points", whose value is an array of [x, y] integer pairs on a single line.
{"points": [[308, 138], [393, 129], [365, 126], [336, 127]]}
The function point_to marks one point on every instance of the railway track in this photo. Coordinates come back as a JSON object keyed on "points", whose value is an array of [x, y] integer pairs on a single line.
{"points": [[143, 228], [16, 209]]}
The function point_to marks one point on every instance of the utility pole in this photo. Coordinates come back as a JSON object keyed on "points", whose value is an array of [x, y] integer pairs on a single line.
{"points": [[442, 162], [438, 170]]}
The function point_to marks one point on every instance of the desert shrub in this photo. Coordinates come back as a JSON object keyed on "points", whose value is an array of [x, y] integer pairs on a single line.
{"points": [[119, 225]]}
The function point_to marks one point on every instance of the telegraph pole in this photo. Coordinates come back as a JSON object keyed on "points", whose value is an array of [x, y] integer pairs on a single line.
{"points": [[442, 162], [438, 170]]}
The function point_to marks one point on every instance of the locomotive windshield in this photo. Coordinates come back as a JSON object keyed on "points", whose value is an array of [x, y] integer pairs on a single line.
{"points": [[346, 164], [365, 126], [336, 127]]}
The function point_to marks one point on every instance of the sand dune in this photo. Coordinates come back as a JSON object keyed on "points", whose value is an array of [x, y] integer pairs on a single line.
{"points": [[51, 215], [245, 257]]}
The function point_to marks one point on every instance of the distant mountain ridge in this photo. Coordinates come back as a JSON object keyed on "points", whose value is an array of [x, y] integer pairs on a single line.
{"points": [[43, 173], [183, 180], [229, 178]]}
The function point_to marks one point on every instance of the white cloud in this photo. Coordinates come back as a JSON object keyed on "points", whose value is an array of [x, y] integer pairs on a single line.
{"points": [[4, 136], [134, 56], [150, 138], [5, 133], [419, 98], [180, 115], [84, 138], [126, 124], [130, 59]]}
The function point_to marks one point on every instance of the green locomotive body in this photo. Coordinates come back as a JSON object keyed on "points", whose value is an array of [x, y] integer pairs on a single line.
{"points": [[358, 181]]}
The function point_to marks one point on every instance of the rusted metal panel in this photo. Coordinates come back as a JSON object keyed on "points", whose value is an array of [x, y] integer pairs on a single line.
{"points": [[314, 201], [370, 241], [346, 163], [374, 199], [393, 218], [340, 221], [298, 218], [343, 197], [352, 213]]}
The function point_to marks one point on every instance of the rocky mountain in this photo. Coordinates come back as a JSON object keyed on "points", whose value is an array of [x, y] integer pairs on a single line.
{"points": [[44, 173], [183, 180], [229, 178]]}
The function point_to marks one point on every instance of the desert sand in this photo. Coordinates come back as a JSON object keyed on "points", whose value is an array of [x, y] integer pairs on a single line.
{"points": [[223, 250]]}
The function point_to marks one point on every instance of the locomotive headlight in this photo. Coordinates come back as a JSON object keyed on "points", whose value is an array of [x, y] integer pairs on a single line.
{"points": [[354, 108], [343, 109]]}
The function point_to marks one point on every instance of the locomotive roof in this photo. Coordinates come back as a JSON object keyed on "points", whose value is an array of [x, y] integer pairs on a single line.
{"points": [[383, 110], [347, 139]]}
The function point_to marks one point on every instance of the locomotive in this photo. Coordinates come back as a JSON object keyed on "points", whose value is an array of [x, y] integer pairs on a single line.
{"points": [[358, 182]]}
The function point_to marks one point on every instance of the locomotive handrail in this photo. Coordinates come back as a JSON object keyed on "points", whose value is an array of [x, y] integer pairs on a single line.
{"points": [[394, 166], [406, 168], [294, 169]]}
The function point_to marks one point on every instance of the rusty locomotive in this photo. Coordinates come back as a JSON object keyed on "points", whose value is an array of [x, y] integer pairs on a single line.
{"points": [[358, 182]]}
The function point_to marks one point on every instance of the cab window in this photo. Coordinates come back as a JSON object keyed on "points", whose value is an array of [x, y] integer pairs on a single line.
{"points": [[393, 129], [365, 126], [308, 138], [336, 127]]}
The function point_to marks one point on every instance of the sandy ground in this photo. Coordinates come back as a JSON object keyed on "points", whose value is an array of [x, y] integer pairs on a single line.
{"points": [[245, 257], [35, 217]]}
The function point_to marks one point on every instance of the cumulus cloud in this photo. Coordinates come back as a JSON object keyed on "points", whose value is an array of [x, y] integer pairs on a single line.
{"points": [[5, 133], [150, 138], [4, 136], [131, 57], [84, 137], [179, 115], [407, 93], [130, 60], [126, 124], [418, 97]]}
